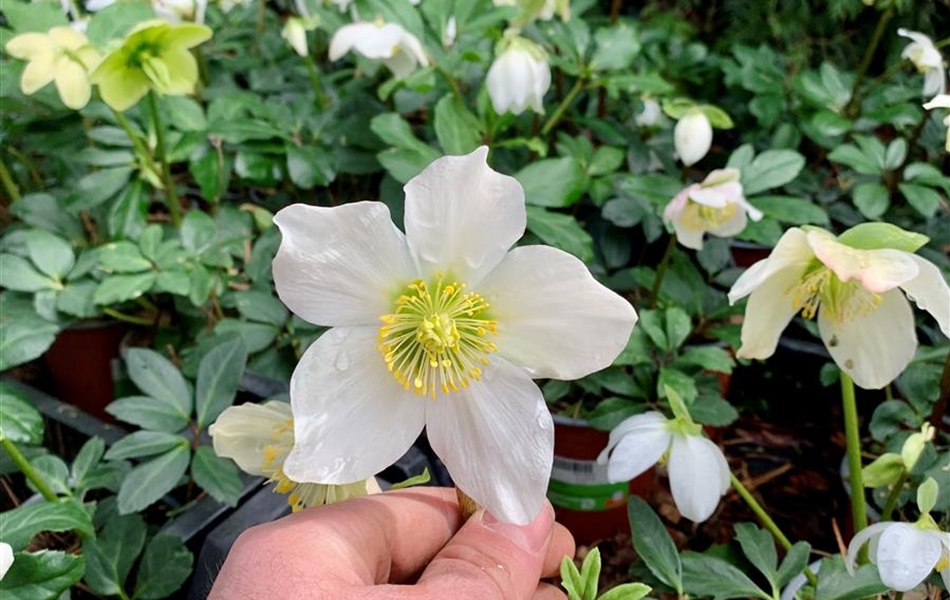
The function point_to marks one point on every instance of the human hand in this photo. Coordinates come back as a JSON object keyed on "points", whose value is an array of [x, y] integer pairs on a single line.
{"points": [[401, 545]]}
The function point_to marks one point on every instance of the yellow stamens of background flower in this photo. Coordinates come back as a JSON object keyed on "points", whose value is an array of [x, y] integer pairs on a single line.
{"points": [[436, 339], [700, 216]]}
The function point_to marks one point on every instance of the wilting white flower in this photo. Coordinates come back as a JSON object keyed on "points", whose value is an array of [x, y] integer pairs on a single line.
{"points": [[692, 137], [441, 327], [698, 471], [714, 206], [904, 553], [295, 32], [399, 50], [942, 101], [651, 113], [258, 438], [519, 77], [925, 56], [856, 292], [6, 558]]}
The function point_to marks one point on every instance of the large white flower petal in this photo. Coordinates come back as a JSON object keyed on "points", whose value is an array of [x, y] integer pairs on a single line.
{"points": [[369, 39], [638, 450], [877, 270], [769, 310], [341, 265], [874, 347], [934, 82], [930, 292], [351, 418], [860, 538], [699, 476], [791, 252], [905, 555], [644, 421], [547, 331], [242, 432], [497, 439], [6, 558], [462, 217]]}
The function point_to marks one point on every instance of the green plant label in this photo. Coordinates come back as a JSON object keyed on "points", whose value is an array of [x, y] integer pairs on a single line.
{"points": [[582, 485]]}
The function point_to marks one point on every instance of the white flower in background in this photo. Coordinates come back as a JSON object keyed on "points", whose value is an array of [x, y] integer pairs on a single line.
{"points": [[651, 113], [519, 77], [258, 438], [905, 553], [295, 32], [178, 11], [942, 101], [6, 558], [451, 30], [545, 11], [698, 471], [714, 206], [692, 137], [925, 56], [441, 327], [397, 48], [61, 55], [856, 291], [342, 5]]}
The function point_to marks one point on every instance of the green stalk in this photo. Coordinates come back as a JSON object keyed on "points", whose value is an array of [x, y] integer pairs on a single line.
{"points": [[8, 184], [27, 469], [563, 106], [854, 101], [853, 439], [661, 270], [118, 316], [766, 520], [174, 205], [891, 503], [321, 98]]}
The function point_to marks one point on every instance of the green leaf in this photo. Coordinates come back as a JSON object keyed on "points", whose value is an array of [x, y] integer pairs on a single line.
{"points": [[212, 173], [925, 200], [553, 182], [609, 412], [656, 189], [404, 164], [854, 157], [123, 257], [16, 273], [883, 470], [871, 236], [710, 410], [256, 336], [771, 169], [24, 17], [678, 381], [571, 579], [561, 231], [456, 127], [149, 413], [157, 377], [217, 476], [144, 443], [110, 556], [759, 547], [791, 210], [219, 375], [654, 544], [198, 232], [260, 306], [626, 591], [165, 567], [151, 480], [420, 479], [616, 47], [51, 254], [606, 159], [115, 20], [395, 131], [795, 561], [76, 300], [120, 288], [835, 583], [718, 118], [43, 575], [126, 219], [708, 358], [20, 422], [20, 524], [872, 199], [678, 326], [708, 576], [98, 187], [87, 459], [590, 573], [23, 335], [309, 166]]}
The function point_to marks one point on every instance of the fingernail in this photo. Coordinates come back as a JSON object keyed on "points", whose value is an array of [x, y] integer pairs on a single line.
{"points": [[532, 536]]}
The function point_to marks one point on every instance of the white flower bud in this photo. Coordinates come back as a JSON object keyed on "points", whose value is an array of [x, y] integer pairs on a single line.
{"points": [[692, 137], [519, 78]]}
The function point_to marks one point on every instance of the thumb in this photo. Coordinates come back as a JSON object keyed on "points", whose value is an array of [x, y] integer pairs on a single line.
{"points": [[491, 560]]}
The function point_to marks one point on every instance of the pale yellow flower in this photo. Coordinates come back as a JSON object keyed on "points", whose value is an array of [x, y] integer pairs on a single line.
{"points": [[62, 55]]}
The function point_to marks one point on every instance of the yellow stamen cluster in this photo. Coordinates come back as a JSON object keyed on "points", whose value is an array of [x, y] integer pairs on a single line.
{"points": [[301, 495], [700, 216], [840, 300], [437, 337]]}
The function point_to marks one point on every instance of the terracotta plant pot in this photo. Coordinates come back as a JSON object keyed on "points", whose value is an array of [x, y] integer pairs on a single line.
{"points": [[584, 500], [746, 254], [82, 362]]}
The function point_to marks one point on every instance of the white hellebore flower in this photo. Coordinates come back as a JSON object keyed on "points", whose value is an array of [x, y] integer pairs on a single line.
{"points": [[258, 438], [855, 285], [942, 101], [519, 77], [692, 137], [651, 113], [399, 50], [925, 56], [441, 327], [6, 558], [905, 553], [698, 471], [714, 206], [295, 32]]}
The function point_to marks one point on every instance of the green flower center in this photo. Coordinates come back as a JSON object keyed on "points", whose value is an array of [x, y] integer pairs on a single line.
{"points": [[700, 216], [437, 337], [840, 300]]}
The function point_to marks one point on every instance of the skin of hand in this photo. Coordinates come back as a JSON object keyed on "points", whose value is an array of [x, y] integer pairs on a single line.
{"points": [[401, 545]]}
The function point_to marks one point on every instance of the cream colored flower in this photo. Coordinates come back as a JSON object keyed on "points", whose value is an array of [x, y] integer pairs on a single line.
{"points": [[399, 50], [925, 56], [258, 437], [519, 77], [942, 101], [716, 206], [63, 55], [692, 137]]}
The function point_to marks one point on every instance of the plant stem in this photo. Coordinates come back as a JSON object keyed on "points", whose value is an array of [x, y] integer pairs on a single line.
{"points": [[565, 103], [27, 469], [661, 271], [8, 184], [891, 502], [118, 316], [854, 102], [137, 142], [766, 520], [940, 407], [853, 439], [321, 98], [174, 205]]}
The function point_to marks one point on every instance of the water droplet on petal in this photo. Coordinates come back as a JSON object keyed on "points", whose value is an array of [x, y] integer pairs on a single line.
{"points": [[342, 362]]}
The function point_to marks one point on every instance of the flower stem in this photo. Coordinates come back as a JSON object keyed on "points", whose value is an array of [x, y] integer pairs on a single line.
{"points": [[321, 98], [174, 205], [27, 469], [891, 502], [855, 101], [563, 106], [118, 316], [853, 440], [766, 520], [467, 506], [8, 184], [661, 270], [940, 406]]}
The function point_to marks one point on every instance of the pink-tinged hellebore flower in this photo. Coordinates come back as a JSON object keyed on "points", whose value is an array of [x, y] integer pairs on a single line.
{"points": [[698, 471], [258, 438], [905, 553], [519, 77], [855, 285], [399, 50], [692, 137], [714, 206], [942, 101], [441, 327], [925, 56]]}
